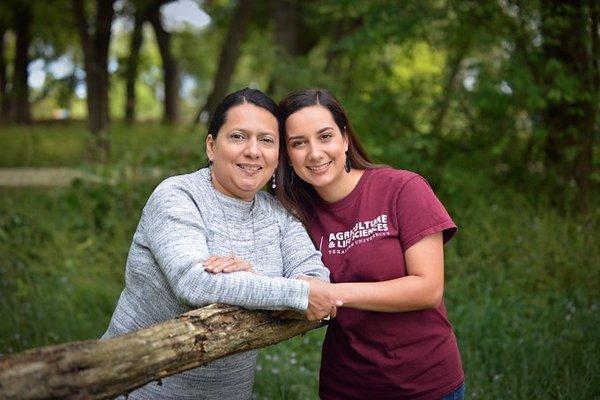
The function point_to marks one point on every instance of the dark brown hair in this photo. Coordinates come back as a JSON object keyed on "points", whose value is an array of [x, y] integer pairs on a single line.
{"points": [[298, 196], [246, 95]]}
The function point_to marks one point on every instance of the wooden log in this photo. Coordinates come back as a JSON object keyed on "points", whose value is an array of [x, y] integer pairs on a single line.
{"points": [[100, 369]]}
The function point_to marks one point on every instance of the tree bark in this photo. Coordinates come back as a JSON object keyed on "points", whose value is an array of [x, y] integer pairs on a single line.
{"points": [[19, 95], [170, 73], [132, 66], [99, 369], [4, 100], [230, 52], [95, 41], [570, 115]]}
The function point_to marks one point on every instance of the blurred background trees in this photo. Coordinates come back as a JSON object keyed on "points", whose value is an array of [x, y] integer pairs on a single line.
{"points": [[509, 88], [495, 102]]}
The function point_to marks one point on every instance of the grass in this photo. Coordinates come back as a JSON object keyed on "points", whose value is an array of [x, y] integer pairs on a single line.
{"points": [[522, 279], [64, 144]]}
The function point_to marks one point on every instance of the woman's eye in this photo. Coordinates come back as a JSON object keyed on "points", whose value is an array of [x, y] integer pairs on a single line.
{"points": [[296, 143], [326, 136], [236, 136]]}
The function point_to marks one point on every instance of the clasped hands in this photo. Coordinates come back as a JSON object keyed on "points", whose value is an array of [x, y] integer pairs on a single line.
{"points": [[322, 304]]}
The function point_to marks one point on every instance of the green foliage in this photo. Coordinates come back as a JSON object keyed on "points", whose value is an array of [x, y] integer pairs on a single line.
{"points": [[63, 144], [521, 286], [460, 91]]}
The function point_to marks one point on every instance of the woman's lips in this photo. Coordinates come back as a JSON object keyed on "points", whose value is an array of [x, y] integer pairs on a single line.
{"points": [[250, 169], [319, 168]]}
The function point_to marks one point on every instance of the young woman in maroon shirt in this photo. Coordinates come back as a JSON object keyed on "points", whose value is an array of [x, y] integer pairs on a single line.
{"points": [[381, 232]]}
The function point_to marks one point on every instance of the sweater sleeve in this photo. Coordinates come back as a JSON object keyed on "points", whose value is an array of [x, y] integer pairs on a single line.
{"points": [[300, 257], [176, 236]]}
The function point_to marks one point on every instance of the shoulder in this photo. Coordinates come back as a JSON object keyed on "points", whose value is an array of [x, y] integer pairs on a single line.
{"points": [[179, 189], [394, 179]]}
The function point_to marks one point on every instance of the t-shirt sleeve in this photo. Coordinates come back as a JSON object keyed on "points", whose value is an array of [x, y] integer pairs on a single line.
{"points": [[420, 214]]}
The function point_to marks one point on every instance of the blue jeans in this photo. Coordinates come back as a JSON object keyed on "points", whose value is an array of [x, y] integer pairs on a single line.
{"points": [[458, 394]]}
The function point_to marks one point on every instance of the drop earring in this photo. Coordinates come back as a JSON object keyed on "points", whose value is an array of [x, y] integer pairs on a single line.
{"points": [[274, 183], [347, 164]]}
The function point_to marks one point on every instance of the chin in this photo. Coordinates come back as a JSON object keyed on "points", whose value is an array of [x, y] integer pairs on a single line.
{"points": [[319, 181], [250, 186]]}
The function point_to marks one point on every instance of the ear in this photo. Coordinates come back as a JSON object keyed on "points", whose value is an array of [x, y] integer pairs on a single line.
{"points": [[210, 147], [345, 136]]}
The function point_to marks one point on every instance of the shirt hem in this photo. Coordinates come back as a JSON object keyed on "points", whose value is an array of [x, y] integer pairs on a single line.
{"points": [[432, 395]]}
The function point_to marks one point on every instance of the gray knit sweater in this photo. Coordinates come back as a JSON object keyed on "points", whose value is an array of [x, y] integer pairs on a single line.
{"points": [[184, 222]]}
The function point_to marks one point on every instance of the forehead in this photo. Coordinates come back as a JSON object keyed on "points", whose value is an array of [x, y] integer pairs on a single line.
{"points": [[309, 120], [249, 117]]}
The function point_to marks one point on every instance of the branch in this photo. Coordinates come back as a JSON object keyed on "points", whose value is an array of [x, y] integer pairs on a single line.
{"points": [[100, 369]]}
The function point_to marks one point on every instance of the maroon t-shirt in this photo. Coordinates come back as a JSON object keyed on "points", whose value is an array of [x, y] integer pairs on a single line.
{"points": [[363, 237]]}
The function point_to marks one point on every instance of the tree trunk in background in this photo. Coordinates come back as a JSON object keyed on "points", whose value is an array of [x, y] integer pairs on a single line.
{"points": [[292, 36], [338, 32], [443, 103], [95, 41], [19, 94], [4, 101], [170, 73], [104, 18], [570, 114], [132, 66], [285, 14], [230, 52]]}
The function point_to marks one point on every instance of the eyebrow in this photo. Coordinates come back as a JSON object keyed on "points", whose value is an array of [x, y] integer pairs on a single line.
{"points": [[247, 132], [327, 128]]}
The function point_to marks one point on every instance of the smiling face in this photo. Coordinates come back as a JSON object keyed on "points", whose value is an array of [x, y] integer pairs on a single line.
{"points": [[317, 149], [245, 152]]}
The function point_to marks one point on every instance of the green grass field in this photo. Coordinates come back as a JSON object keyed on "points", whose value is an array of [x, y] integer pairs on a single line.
{"points": [[522, 279]]}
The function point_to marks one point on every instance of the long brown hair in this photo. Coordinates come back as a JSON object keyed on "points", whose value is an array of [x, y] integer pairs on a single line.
{"points": [[296, 195]]}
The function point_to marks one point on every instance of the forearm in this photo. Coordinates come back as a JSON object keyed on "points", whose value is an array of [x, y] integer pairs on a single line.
{"points": [[243, 289], [409, 293]]}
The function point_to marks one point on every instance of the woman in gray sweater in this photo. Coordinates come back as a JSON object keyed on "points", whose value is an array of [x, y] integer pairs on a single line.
{"points": [[221, 211]]}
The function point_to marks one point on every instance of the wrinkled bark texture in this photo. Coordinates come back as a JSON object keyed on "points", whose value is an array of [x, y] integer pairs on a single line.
{"points": [[100, 369]]}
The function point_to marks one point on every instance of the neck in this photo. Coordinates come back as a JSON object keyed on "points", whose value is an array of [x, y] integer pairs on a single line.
{"points": [[342, 188]]}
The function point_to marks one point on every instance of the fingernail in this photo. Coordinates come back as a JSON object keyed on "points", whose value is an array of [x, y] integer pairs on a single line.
{"points": [[339, 303]]}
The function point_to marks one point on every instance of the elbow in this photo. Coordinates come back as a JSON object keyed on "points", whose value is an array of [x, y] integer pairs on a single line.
{"points": [[193, 292], [434, 299]]}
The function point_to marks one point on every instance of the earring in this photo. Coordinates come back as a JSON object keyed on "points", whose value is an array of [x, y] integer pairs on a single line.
{"points": [[347, 164], [274, 184]]}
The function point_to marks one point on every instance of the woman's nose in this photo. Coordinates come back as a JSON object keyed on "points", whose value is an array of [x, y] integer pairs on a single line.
{"points": [[251, 150], [314, 152]]}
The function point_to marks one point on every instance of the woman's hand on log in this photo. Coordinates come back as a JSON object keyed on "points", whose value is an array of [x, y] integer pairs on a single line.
{"points": [[321, 303], [226, 264]]}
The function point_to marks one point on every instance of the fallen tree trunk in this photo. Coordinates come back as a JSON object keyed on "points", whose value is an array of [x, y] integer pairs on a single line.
{"points": [[99, 369]]}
